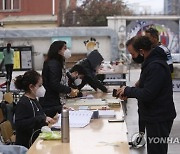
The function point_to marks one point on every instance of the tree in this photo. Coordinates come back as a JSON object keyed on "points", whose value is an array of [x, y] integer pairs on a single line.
{"points": [[94, 12]]}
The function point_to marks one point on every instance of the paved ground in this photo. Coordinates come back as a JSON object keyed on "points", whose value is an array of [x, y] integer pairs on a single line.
{"points": [[132, 116]]}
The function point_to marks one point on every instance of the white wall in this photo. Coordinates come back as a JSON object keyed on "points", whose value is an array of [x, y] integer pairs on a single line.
{"points": [[41, 46], [78, 46]]}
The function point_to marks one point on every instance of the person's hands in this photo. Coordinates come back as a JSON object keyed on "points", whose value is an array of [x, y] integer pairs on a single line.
{"points": [[120, 93], [73, 93], [123, 97], [56, 117], [68, 108], [50, 120]]}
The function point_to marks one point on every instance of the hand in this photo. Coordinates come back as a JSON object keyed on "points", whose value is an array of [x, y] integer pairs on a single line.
{"points": [[120, 93], [74, 93], [123, 97], [49, 120], [68, 108], [56, 117]]}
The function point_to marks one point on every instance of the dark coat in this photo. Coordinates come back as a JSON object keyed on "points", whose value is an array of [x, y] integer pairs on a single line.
{"points": [[89, 65], [52, 74], [154, 94], [29, 117]]}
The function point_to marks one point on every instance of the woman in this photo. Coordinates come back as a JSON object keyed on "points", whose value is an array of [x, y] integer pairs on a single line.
{"points": [[55, 80], [8, 61], [29, 116]]}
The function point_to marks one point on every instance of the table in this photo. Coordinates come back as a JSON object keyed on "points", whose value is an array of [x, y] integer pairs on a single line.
{"points": [[114, 78], [98, 137]]}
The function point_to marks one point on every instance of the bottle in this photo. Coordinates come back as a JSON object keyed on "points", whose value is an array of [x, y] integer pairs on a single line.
{"points": [[65, 126]]}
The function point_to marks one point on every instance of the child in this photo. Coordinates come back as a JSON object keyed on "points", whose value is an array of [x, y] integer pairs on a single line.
{"points": [[29, 117]]}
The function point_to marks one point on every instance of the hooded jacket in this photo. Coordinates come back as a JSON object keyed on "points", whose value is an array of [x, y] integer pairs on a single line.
{"points": [[154, 94], [89, 66]]}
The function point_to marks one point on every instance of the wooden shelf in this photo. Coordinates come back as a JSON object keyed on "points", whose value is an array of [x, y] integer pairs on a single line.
{"points": [[74, 59]]}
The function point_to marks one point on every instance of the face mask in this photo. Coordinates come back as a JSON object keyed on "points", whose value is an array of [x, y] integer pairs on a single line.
{"points": [[67, 53], [139, 59], [77, 82], [40, 92]]}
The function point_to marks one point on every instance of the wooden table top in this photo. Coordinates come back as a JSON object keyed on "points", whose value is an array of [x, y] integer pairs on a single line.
{"points": [[98, 137]]}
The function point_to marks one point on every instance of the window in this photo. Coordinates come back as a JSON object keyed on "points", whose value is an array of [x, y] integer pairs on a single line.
{"points": [[8, 5]]}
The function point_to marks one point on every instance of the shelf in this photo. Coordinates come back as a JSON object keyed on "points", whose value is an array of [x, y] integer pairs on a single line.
{"points": [[74, 59]]}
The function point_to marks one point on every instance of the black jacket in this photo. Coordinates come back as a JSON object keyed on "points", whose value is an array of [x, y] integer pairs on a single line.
{"points": [[52, 75], [29, 117], [154, 94], [89, 65]]}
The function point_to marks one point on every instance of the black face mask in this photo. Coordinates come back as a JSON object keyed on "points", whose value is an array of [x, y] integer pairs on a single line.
{"points": [[139, 59]]}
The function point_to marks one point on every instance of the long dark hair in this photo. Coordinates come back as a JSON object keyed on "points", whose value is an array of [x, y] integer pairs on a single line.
{"points": [[53, 52], [22, 82], [8, 47]]}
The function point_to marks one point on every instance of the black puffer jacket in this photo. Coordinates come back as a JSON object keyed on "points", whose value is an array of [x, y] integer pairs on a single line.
{"points": [[89, 65], [52, 75], [154, 94]]}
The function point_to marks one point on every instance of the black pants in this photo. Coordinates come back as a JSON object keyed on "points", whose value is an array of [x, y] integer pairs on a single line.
{"points": [[141, 126], [9, 70], [155, 132]]}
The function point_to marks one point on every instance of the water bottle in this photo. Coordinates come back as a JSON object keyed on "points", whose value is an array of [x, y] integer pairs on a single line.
{"points": [[65, 126]]}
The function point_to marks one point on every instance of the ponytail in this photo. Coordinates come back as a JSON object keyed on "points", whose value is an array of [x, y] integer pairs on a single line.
{"points": [[22, 82]]}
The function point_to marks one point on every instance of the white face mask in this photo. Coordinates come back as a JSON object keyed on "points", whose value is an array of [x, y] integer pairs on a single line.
{"points": [[67, 53], [77, 82], [40, 91]]}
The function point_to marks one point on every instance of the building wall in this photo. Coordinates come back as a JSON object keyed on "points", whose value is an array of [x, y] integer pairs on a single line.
{"points": [[72, 4], [171, 7], [168, 27], [41, 39], [78, 45], [120, 27], [22, 26], [41, 46], [33, 7]]}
